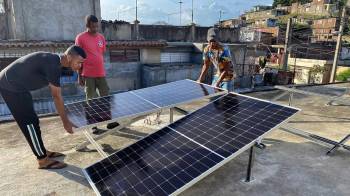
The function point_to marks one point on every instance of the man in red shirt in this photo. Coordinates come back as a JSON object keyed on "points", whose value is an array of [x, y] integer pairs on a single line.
{"points": [[93, 74]]}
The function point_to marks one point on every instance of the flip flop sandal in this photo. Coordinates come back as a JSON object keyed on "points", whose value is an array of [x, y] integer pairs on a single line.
{"points": [[54, 165], [55, 154]]}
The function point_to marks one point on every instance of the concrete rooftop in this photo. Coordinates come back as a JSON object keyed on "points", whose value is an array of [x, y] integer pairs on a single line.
{"points": [[290, 165]]}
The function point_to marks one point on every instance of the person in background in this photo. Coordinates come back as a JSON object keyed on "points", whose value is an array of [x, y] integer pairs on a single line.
{"points": [[262, 70], [219, 56], [32, 72], [262, 62], [93, 75]]}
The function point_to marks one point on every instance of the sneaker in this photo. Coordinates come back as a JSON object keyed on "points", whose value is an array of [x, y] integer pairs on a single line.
{"points": [[112, 125], [97, 131]]}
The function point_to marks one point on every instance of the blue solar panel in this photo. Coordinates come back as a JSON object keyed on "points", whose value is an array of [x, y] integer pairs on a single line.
{"points": [[177, 156], [178, 92], [157, 165], [147, 100], [107, 108], [232, 122]]}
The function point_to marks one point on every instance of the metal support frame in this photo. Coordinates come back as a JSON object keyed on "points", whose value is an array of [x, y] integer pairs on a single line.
{"points": [[177, 109], [290, 101], [251, 159], [95, 144], [171, 115], [93, 140], [340, 144], [249, 177], [330, 98], [318, 139]]}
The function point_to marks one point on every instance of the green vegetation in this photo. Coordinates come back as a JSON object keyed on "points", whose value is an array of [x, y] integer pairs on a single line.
{"points": [[342, 3], [343, 76]]}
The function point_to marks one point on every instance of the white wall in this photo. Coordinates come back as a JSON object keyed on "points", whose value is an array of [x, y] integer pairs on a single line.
{"points": [[50, 19]]}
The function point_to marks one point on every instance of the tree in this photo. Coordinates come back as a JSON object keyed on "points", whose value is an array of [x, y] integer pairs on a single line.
{"points": [[282, 2], [342, 3]]}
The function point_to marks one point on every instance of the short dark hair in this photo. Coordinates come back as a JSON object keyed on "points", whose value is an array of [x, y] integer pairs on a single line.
{"points": [[89, 19], [76, 50]]}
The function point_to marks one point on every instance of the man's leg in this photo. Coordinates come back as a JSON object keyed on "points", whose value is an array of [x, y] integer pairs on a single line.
{"points": [[102, 86], [90, 88], [103, 90], [90, 91], [21, 107]]}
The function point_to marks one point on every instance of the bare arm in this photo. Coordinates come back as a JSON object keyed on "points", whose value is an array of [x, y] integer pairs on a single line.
{"points": [[204, 71], [57, 97], [223, 74], [81, 80]]}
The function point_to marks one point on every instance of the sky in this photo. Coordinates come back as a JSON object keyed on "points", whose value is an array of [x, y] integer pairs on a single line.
{"points": [[206, 12]]}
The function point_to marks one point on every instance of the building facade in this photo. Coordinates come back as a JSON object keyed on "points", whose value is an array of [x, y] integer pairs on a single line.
{"points": [[316, 7], [325, 30], [45, 20], [233, 23]]}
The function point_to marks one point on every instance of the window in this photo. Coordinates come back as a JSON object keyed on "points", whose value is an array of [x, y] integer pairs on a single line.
{"points": [[124, 55], [2, 7], [175, 57]]}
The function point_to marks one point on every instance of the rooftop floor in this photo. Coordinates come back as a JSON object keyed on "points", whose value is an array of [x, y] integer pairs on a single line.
{"points": [[290, 165]]}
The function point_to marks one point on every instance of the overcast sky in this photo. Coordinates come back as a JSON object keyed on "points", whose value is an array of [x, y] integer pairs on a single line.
{"points": [[206, 12]]}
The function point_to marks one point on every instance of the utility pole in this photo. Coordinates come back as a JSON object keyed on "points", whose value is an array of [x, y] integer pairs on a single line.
{"points": [[286, 44], [180, 2], [192, 13], [136, 10], [338, 47], [221, 12]]}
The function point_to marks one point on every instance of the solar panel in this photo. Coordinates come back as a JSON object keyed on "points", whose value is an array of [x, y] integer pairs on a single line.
{"points": [[178, 92], [157, 165], [107, 108], [232, 122], [133, 103], [170, 160]]}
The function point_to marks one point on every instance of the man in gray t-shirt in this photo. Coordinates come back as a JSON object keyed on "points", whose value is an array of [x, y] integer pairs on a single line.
{"points": [[32, 72]]}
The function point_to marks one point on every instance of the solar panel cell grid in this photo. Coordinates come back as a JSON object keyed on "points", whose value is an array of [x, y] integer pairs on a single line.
{"points": [[145, 100], [157, 165], [176, 92], [107, 108], [231, 122], [167, 160]]}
